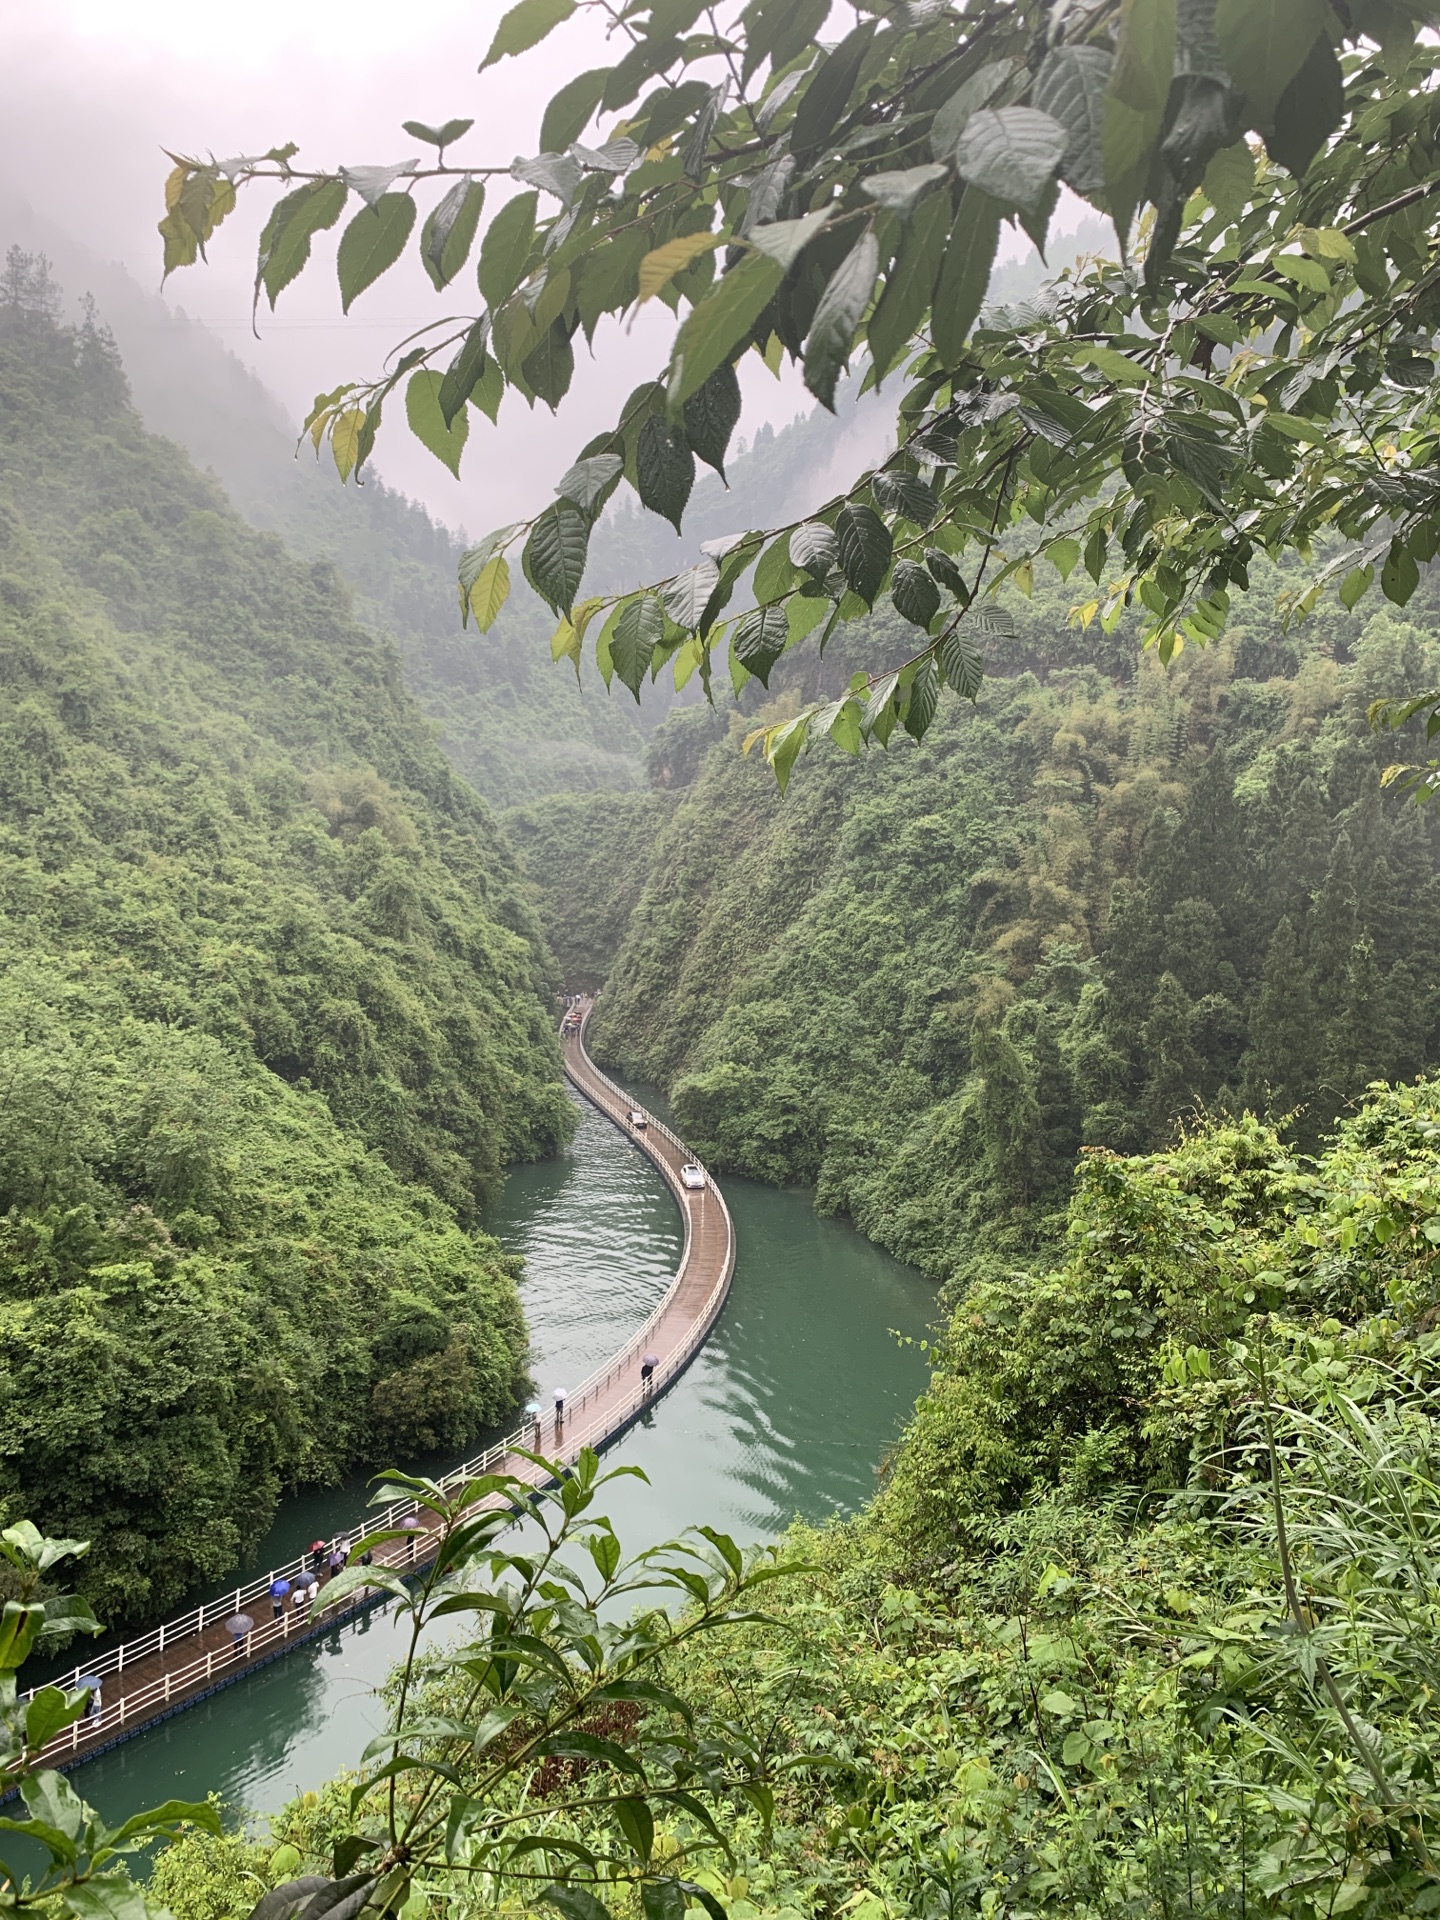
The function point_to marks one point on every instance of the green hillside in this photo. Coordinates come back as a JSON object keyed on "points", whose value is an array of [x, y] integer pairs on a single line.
{"points": [[1111, 897], [274, 1007]]}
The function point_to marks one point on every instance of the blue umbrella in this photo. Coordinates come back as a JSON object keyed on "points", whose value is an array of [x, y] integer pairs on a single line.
{"points": [[279, 1589], [90, 1680]]}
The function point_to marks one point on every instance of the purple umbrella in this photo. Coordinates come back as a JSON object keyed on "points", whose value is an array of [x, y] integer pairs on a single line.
{"points": [[239, 1624]]}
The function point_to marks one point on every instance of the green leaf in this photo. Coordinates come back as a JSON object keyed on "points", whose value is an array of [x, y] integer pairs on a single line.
{"points": [[1264, 44], [1309, 110], [905, 494], [864, 544], [572, 110], [948, 573], [782, 748], [711, 415], [661, 264], [909, 283], [1230, 180], [437, 136], [664, 470], [1064, 556], [783, 241], [428, 423], [490, 592], [662, 1900], [549, 366], [961, 664], [293, 222], [775, 574], [977, 90], [832, 331], [637, 1823], [688, 594], [759, 640], [714, 330], [1135, 102], [815, 547], [1011, 153], [1399, 577], [505, 250], [900, 191], [780, 30], [638, 631], [965, 274], [557, 173], [525, 26], [49, 1711], [1354, 586], [449, 231], [555, 554], [589, 483], [915, 594], [1071, 87], [924, 699], [465, 371], [824, 101], [372, 243], [106, 1896]]}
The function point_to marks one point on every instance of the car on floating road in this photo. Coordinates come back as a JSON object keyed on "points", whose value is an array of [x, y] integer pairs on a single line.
{"points": [[692, 1175], [638, 1119]]}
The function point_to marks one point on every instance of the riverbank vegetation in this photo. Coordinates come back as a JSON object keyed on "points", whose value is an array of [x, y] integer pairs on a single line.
{"points": [[272, 1010]]}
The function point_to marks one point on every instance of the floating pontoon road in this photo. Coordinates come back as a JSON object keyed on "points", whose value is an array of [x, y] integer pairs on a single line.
{"points": [[174, 1666]]}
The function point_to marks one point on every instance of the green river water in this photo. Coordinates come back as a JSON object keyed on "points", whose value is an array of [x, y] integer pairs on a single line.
{"points": [[787, 1410]]}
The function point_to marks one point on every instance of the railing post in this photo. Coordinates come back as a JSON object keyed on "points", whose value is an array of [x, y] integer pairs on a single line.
{"points": [[162, 1636]]}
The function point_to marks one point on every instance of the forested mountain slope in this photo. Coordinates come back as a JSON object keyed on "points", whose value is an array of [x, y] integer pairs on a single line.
{"points": [[273, 1006], [1109, 897]]}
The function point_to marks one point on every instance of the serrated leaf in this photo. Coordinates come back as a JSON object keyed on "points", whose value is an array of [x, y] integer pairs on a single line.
{"points": [[664, 470], [905, 494], [780, 30], [915, 594], [449, 231], [688, 594], [505, 250], [590, 482], [965, 273], [864, 546], [1011, 153], [721, 323], [909, 283], [556, 173], [814, 547], [759, 640], [711, 415], [572, 109], [1399, 576], [1070, 87], [832, 331], [1354, 586], [490, 592], [345, 431], [549, 366], [826, 98], [637, 632], [961, 664], [446, 440], [976, 91], [1064, 556], [947, 572], [372, 243], [616, 156], [900, 191], [525, 26], [437, 136], [555, 554], [293, 222], [924, 699], [1230, 180], [660, 266], [784, 240], [465, 370]]}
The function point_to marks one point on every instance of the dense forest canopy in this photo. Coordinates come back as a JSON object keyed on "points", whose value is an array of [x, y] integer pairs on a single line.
{"points": [[272, 1008]]}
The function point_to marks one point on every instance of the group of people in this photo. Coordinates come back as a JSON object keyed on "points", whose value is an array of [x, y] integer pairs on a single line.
{"points": [[301, 1590]]}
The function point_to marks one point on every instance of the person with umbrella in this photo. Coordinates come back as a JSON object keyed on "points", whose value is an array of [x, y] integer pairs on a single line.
{"points": [[240, 1627], [411, 1525], [306, 1581], [648, 1364], [94, 1706], [339, 1554], [279, 1593]]}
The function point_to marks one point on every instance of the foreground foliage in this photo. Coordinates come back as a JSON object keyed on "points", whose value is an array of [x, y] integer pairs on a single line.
{"points": [[1264, 382]]}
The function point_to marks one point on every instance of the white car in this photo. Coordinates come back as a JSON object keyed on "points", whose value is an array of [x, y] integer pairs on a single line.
{"points": [[692, 1175], [638, 1120]]}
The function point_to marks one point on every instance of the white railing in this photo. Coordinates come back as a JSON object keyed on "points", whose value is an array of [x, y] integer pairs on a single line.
{"points": [[176, 1682]]}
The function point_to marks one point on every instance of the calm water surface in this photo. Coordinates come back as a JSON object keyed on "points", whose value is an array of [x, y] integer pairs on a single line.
{"points": [[787, 1411]]}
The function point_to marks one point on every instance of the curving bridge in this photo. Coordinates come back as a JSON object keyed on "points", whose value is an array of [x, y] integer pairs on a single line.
{"points": [[185, 1660]]}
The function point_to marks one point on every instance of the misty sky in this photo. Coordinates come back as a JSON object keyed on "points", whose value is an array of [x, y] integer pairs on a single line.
{"points": [[92, 90]]}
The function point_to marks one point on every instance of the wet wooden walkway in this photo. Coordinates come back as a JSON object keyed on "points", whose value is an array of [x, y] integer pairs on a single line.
{"points": [[184, 1661]]}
